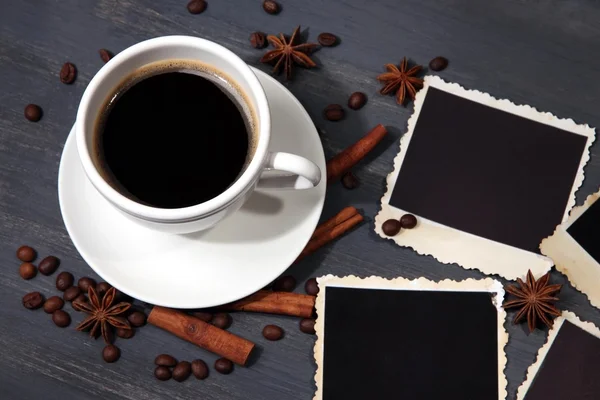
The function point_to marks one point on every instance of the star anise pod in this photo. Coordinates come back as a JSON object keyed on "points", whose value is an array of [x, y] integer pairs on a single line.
{"points": [[401, 80], [287, 53], [102, 314], [535, 299]]}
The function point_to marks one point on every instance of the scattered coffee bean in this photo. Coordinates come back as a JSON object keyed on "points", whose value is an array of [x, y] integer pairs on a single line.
{"points": [[311, 287], [357, 100], [196, 6], [26, 253], [68, 73], [391, 227], [284, 284], [327, 39], [307, 325], [258, 40], [182, 371], [102, 288], [203, 315], [165, 360], [64, 280], [111, 353], [271, 7], [438, 63], [33, 112], [61, 318], [53, 303], [137, 319], [272, 332], [125, 333], [199, 369], [27, 270], [224, 366], [349, 180], [48, 265], [82, 298], [33, 300], [334, 112], [162, 373], [222, 320], [85, 283], [105, 55], [71, 293], [408, 221]]}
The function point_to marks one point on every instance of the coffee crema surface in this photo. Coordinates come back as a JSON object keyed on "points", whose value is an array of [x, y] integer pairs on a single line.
{"points": [[174, 134]]}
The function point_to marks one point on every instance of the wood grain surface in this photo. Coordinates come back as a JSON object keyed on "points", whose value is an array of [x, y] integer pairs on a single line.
{"points": [[543, 53]]}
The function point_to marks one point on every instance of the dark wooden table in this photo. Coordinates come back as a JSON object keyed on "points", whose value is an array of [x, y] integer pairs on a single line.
{"points": [[543, 53]]}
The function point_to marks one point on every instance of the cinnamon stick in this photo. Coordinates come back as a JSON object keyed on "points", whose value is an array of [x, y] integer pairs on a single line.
{"points": [[349, 157], [202, 334], [284, 303], [332, 234], [340, 217]]}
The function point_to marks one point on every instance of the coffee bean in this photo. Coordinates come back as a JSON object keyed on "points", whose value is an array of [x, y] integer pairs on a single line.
{"points": [[33, 112], [327, 39], [165, 360], [33, 300], [334, 112], [258, 40], [68, 73], [125, 333], [61, 318], [64, 280], [48, 265], [71, 293], [272, 332], [203, 315], [102, 288], [307, 325], [82, 298], [357, 100], [223, 366], [162, 373], [85, 283], [196, 6], [26, 253], [271, 7], [222, 320], [438, 63], [53, 303], [391, 227], [111, 353], [182, 371], [349, 181], [199, 369], [105, 55], [311, 287], [284, 284], [137, 319], [408, 221], [27, 270]]}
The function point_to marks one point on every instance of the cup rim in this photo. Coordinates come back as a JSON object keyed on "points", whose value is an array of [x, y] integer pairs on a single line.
{"points": [[197, 211]]}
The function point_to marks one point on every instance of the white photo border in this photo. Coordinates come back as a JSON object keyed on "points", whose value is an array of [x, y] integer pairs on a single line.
{"points": [[449, 245], [374, 282]]}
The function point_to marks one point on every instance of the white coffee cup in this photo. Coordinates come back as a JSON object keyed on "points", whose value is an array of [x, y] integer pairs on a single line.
{"points": [[304, 173]]}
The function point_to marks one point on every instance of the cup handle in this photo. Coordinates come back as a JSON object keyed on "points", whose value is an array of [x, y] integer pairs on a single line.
{"points": [[289, 171]]}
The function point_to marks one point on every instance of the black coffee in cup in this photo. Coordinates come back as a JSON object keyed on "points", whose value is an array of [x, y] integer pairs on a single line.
{"points": [[174, 134]]}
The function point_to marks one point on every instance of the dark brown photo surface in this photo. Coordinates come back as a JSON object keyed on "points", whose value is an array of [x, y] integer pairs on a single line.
{"points": [[586, 231], [487, 172], [404, 344], [570, 369]]}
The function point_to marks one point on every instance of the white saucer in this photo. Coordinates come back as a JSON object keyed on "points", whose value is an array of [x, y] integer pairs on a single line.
{"points": [[238, 257]]}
